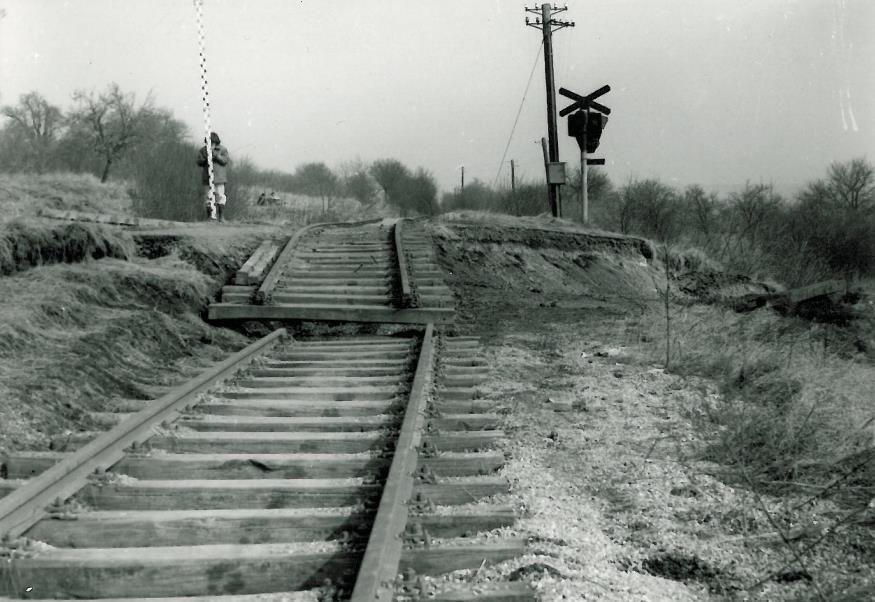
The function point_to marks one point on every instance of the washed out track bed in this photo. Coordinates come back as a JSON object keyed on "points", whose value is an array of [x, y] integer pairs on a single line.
{"points": [[374, 271]]}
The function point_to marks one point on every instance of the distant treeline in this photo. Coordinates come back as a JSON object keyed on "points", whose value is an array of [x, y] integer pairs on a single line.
{"points": [[827, 229], [112, 135]]}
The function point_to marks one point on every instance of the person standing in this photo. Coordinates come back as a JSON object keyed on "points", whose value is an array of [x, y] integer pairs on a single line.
{"points": [[221, 159]]}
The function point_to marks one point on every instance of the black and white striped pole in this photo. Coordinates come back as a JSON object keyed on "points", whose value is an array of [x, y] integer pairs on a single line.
{"points": [[205, 102]]}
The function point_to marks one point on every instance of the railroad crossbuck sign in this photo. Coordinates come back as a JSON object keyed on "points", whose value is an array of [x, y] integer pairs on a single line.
{"points": [[586, 119]]}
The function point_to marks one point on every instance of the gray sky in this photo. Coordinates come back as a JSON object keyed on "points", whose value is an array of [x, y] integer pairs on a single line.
{"points": [[710, 91]]}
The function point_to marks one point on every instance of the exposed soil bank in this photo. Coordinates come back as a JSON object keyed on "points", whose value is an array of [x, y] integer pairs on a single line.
{"points": [[541, 275], [83, 337], [29, 243]]}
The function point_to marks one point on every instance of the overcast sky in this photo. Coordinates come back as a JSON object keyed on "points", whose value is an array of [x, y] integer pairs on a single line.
{"points": [[710, 91]]}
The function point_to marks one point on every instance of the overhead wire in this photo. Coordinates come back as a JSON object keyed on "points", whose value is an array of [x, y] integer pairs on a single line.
{"points": [[518, 113]]}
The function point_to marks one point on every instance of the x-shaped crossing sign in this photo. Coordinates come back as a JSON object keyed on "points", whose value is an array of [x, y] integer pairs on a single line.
{"points": [[584, 102]]}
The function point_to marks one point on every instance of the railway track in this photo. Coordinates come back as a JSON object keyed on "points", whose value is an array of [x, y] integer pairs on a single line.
{"points": [[376, 271], [339, 468]]}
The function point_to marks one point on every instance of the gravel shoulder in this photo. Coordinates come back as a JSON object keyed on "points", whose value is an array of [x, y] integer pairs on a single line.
{"points": [[605, 450]]}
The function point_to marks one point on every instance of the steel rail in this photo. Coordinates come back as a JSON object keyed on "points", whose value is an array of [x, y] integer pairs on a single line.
{"points": [[25, 506], [379, 567], [403, 268], [264, 292]]}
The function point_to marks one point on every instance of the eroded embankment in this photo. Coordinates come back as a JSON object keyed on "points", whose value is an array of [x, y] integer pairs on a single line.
{"points": [[25, 244], [81, 337], [504, 273]]}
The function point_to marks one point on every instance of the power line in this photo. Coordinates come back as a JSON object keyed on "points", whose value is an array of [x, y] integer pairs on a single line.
{"points": [[519, 111]]}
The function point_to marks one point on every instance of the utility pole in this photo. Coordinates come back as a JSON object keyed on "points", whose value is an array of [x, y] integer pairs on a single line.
{"points": [[547, 24], [512, 177], [550, 197], [463, 178]]}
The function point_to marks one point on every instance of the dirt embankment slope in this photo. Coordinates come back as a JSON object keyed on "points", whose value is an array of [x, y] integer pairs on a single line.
{"points": [[612, 458], [504, 274], [94, 315]]}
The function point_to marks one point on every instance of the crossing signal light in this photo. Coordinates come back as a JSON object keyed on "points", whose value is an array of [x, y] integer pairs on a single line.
{"points": [[587, 125], [595, 123], [577, 124]]}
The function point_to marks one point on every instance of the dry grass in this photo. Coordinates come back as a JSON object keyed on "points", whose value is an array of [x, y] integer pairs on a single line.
{"points": [[73, 338], [796, 404], [298, 209], [24, 195]]}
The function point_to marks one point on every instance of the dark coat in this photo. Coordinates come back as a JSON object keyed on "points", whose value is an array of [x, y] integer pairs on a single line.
{"points": [[220, 161]]}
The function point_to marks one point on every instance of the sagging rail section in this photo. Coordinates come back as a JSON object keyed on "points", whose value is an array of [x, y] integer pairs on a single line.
{"points": [[372, 271], [334, 464]]}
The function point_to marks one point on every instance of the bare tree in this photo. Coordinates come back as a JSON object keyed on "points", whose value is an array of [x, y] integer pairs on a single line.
{"points": [[358, 183], [316, 179], [390, 174], [848, 186], [35, 125], [111, 122], [836, 217], [419, 194], [701, 211], [651, 206]]}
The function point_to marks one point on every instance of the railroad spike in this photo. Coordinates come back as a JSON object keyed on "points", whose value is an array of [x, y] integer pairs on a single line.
{"points": [[415, 535], [424, 474], [17, 547], [327, 592], [61, 510], [421, 504], [101, 477], [413, 586], [387, 451], [428, 449]]}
